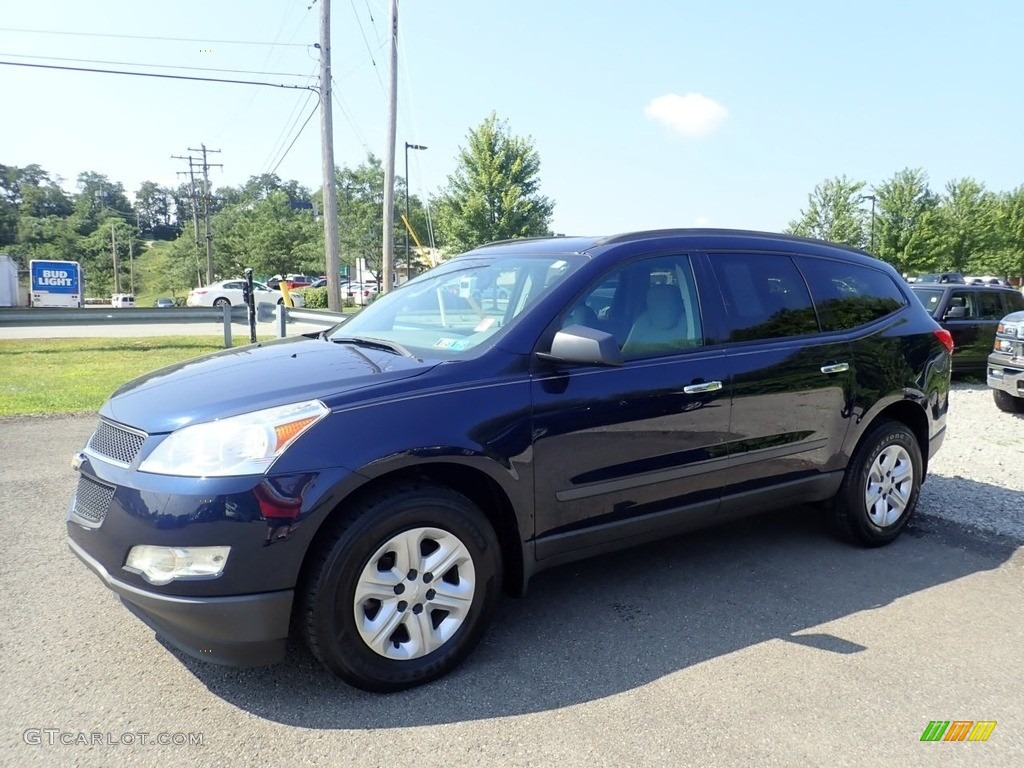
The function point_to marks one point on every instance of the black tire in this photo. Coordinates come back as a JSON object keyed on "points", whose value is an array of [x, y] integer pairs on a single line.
{"points": [[1007, 403], [851, 517], [220, 301], [331, 621]]}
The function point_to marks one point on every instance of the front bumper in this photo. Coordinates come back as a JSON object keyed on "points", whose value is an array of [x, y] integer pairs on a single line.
{"points": [[242, 630], [1006, 374]]}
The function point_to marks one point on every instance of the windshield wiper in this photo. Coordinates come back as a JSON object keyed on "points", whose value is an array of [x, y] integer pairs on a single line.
{"points": [[366, 341]]}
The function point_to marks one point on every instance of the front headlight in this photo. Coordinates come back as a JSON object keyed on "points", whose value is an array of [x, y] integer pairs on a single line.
{"points": [[240, 445]]}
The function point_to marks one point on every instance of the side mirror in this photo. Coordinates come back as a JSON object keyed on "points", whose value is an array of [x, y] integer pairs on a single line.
{"points": [[581, 345], [956, 313]]}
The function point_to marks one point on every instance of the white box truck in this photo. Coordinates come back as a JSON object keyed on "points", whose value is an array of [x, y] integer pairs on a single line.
{"points": [[55, 283]]}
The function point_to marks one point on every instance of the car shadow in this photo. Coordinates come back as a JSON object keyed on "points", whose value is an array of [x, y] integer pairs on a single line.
{"points": [[600, 627]]}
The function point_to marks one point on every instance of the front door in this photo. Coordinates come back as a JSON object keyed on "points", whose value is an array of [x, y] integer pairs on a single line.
{"points": [[633, 452]]}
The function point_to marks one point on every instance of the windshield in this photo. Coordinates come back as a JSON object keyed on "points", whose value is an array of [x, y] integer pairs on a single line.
{"points": [[459, 307]]}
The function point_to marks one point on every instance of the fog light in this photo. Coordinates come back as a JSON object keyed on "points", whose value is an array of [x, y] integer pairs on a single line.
{"points": [[162, 565]]}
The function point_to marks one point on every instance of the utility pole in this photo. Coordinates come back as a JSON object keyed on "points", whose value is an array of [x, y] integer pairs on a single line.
{"points": [[873, 200], [131, 262], [195, 208], [327, 161], [388, 267], [113, 250], [206, 208]]}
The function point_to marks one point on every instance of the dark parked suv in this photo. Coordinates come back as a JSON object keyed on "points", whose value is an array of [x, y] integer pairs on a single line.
{"points": [[378, 486], [970, 313]]}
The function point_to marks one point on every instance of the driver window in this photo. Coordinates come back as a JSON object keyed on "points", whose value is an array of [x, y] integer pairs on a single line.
{"points": [[649, 306]]}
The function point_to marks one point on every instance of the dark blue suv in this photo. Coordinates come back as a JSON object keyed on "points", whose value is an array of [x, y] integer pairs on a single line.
{"points": [[379, 485]]}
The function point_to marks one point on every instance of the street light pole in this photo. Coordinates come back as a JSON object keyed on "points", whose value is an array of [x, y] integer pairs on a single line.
{"points": [[408, 253], [872, 198]]}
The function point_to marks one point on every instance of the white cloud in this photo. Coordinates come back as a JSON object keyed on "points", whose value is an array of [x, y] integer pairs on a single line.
{"points": [[692, 115], [701, 221]]}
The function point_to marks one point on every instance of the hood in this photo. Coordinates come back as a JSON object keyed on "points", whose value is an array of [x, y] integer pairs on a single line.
{"points": [[253, 377]]}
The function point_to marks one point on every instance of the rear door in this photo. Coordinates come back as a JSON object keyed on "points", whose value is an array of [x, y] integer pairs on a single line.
{"points": [[791, 384]]}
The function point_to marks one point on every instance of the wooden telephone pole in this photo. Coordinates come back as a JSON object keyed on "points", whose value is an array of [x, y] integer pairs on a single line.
{"points": [[327, 161], [388, 267]]}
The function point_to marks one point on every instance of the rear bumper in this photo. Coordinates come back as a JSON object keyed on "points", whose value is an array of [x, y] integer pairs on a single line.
{"points": [[1005, 375], [241, 630]]}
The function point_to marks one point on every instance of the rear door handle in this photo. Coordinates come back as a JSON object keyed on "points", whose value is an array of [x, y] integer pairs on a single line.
{"points": [[835, 368], [707, 386]]}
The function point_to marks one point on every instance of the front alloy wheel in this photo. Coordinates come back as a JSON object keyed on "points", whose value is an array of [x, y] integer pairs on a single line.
{"points": [[414, 593], [400, 587]]}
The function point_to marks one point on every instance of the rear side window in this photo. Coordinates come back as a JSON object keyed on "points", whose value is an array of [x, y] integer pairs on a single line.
{"points": [[990, 305], [765, 296], [1014, 302], [849, 295]]}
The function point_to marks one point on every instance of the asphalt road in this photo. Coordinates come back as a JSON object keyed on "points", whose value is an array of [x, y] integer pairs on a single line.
{"points": [[763, 643]]}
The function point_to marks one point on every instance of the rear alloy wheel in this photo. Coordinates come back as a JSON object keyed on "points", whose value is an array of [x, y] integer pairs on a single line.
{"points": [[402, 588], [881, 487], [1007, 403], [221, 302]]}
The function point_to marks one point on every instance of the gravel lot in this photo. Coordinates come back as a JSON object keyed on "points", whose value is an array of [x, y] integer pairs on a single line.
{"points": [[977, 478]]}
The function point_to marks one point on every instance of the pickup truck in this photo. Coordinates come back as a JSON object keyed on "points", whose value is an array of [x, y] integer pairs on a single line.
{"points": [[1006, 364]]}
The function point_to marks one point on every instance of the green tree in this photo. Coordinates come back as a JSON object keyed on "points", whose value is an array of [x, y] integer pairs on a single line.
{"points": [[494, 193], [270, 235], [1010, 224], [834, 213], [154, 207], [902, 205], [966, 237]]}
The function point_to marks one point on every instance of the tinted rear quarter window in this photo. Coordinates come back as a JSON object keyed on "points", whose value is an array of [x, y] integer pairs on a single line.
{"points": [[990, 305], [849, 295], [765, 296], [1012, 302]]}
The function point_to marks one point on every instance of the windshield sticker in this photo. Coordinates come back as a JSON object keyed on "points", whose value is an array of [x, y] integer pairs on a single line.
{"points": [[446, 343], [486, 323]]}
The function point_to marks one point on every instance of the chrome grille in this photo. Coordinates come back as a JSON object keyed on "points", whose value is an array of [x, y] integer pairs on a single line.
{"points": [[116, 443], [92, 500]]}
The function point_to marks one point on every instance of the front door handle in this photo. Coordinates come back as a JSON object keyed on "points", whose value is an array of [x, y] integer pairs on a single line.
{"points": [[707, 386], [835, 368]]}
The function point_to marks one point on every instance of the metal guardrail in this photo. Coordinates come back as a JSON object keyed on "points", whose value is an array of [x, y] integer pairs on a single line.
{"points": [[282, 316]]}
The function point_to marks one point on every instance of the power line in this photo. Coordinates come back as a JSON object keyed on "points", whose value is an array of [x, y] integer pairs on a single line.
{"points": [[348, 117], [289, 125], [157, 66], [308, 118], [147, 37], [366, 42], [154, 74]]}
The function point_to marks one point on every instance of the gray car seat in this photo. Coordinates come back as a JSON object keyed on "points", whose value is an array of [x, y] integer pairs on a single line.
{"points": [[662, 327]]}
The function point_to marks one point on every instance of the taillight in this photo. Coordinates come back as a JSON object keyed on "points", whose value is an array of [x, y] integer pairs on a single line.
{"points": [[945, 337]]}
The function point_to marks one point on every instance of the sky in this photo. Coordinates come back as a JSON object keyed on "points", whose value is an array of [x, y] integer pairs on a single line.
{"points": [[646, 114]]}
